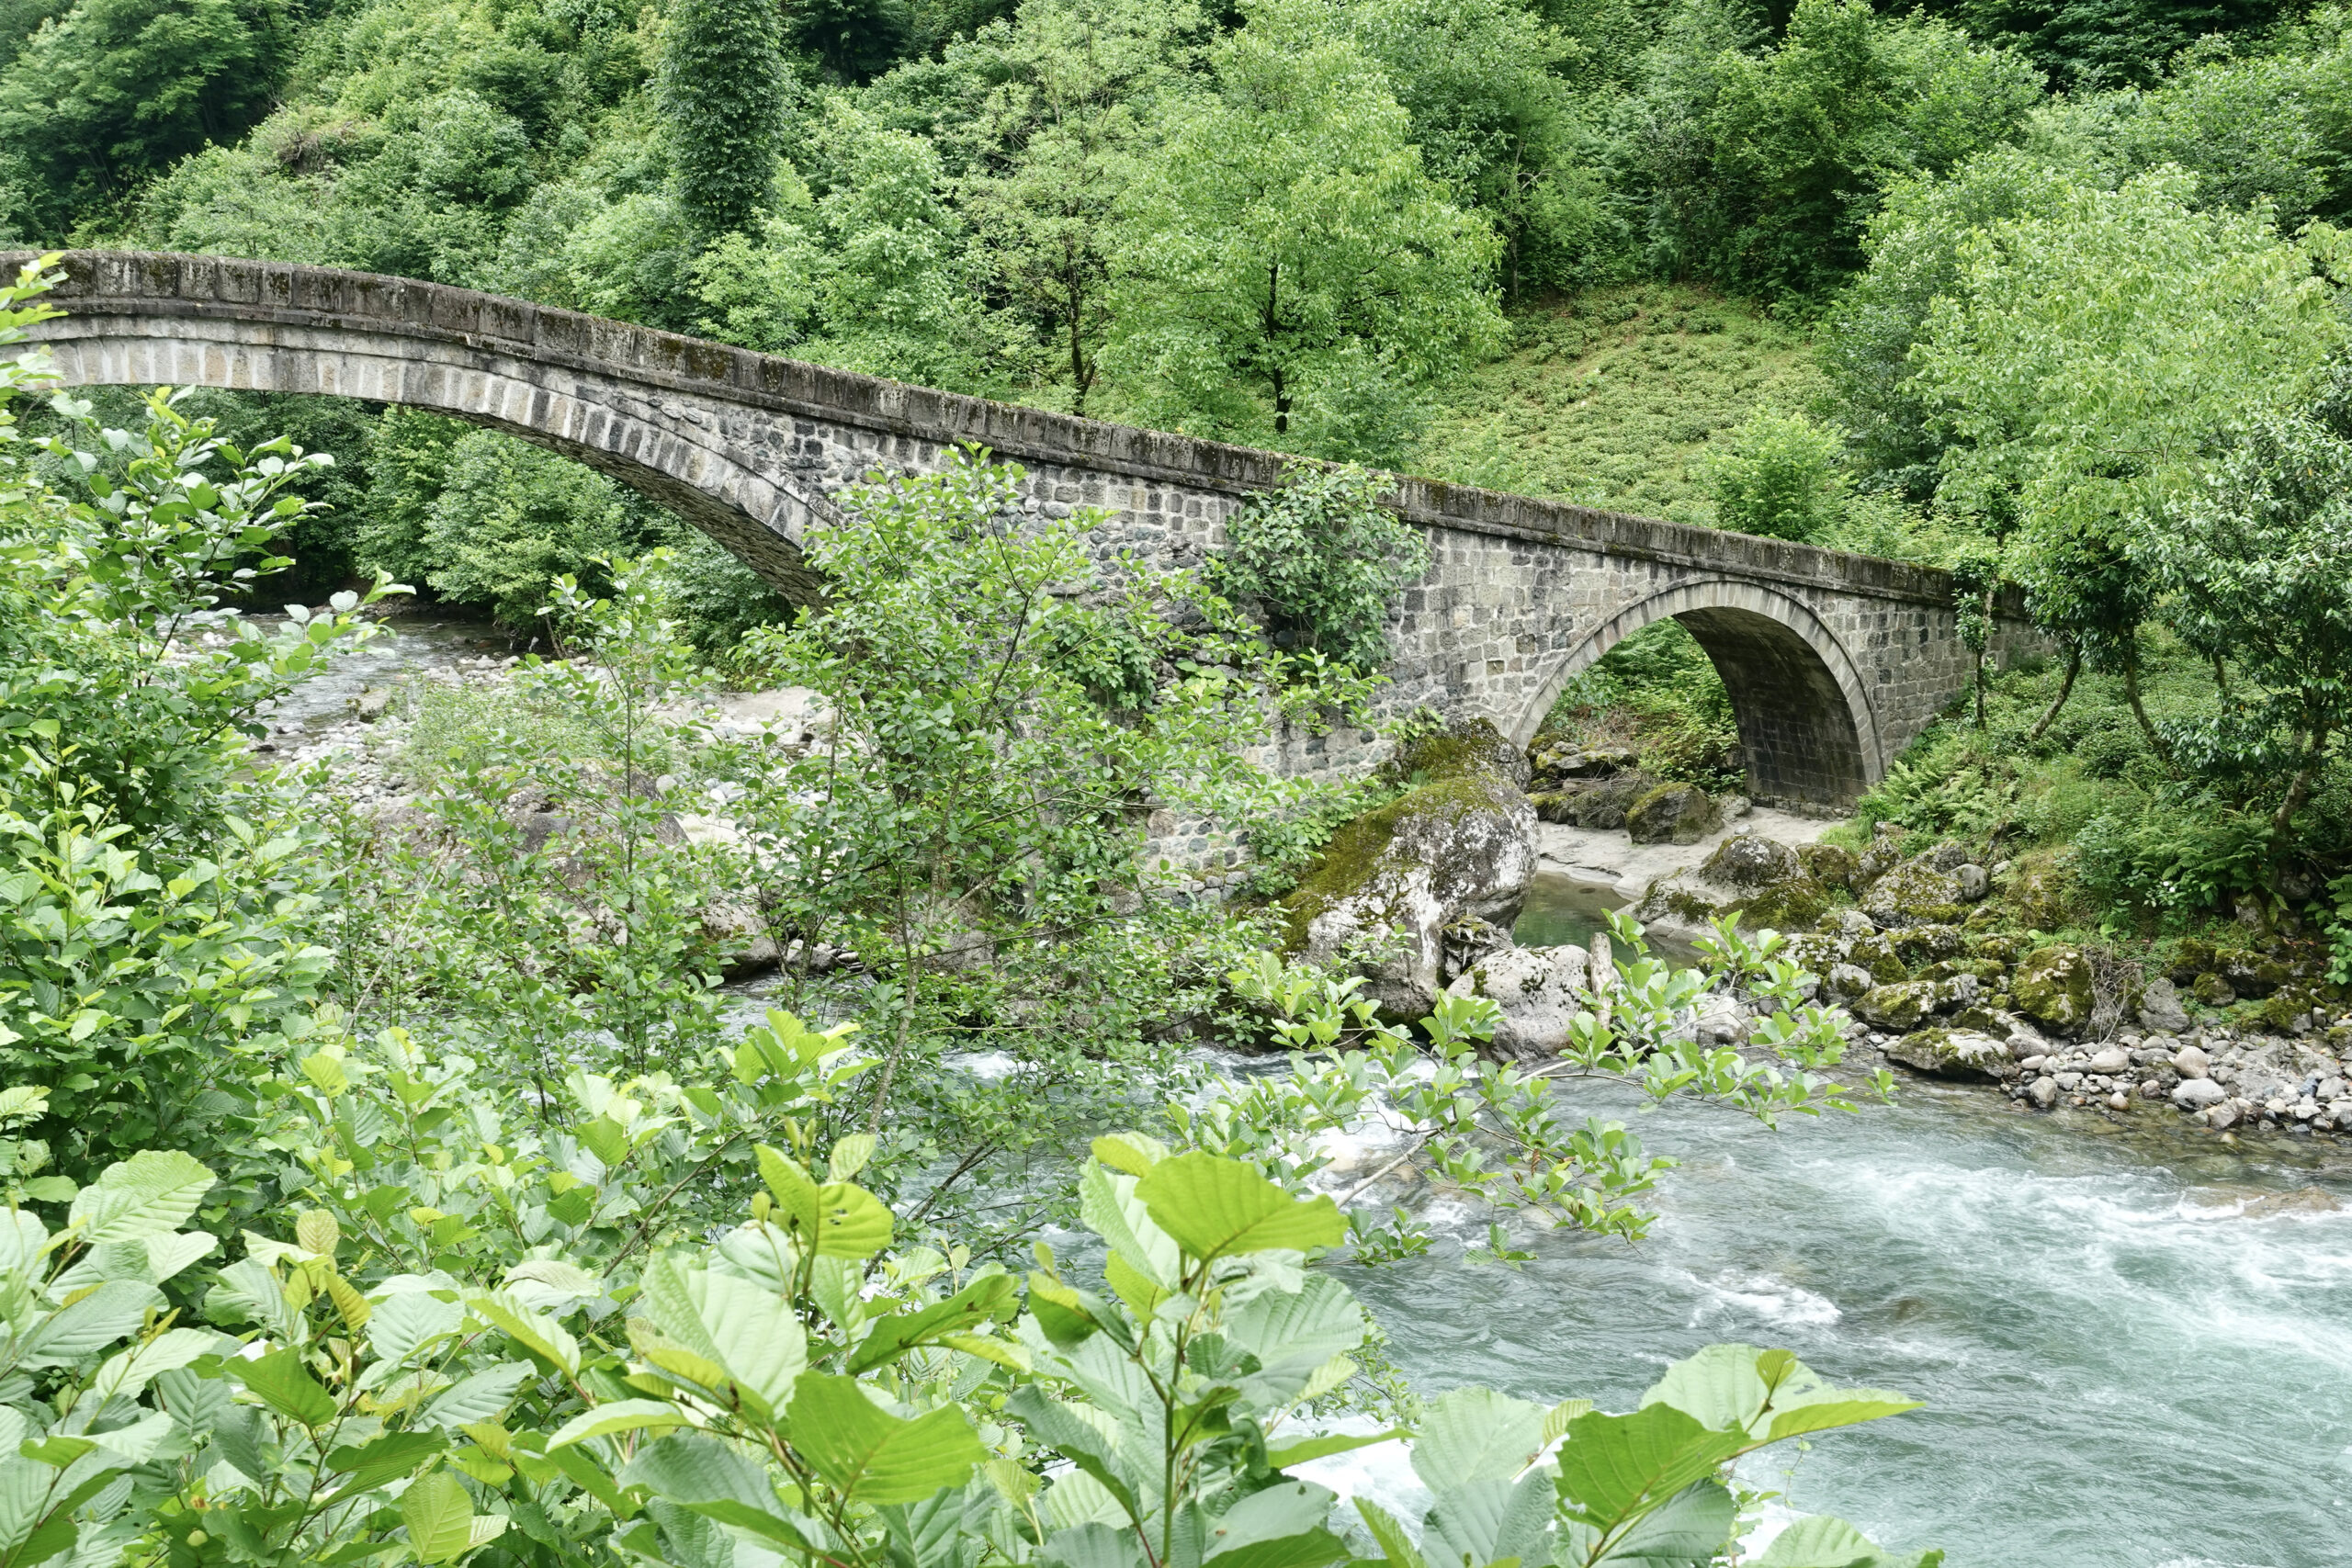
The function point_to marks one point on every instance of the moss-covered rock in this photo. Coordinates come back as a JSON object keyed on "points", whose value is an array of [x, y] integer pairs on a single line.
{"points": [[1389, 884], [1828, 864], [2036, 897], [2191, 957], [1877, 954], [1535, 987], [1594, 803], [1952, 1054], [1470, 746], [2251, 975], [1554, 758], [1760, 879], [2001, 949], [2211, 990], [2052, 986], [1900, 1006], [1926, 944], [1915, 893], [1673, 814]]}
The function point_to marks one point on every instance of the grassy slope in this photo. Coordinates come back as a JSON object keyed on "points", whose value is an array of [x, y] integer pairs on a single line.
{"points": [[1614, 399]]}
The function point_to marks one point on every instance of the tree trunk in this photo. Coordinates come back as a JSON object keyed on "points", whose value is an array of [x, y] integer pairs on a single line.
{"points": [[2065, 690], [2298, 792], [2147, 728]]}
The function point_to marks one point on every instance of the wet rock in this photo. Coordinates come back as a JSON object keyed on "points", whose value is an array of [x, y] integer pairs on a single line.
{"points": [[2118, 1100], [1898, 1007], [2198, 1094], [2160, 1007], [2225, 1115], [1673, 814], [372, 705], [1952, 1054], [2052, 986], [1537, 989], [2043, 1092]]}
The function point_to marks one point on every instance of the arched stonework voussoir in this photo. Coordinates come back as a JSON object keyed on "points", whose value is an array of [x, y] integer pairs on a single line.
{"points": [[1806, 718], [700, 460]]}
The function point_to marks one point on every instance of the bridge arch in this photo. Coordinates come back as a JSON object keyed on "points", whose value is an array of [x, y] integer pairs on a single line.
{"points": [[1806, 718]]}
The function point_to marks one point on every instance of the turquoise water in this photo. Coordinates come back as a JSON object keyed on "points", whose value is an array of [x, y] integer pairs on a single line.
{"points": [[2125, 1365], [1561, 910]]}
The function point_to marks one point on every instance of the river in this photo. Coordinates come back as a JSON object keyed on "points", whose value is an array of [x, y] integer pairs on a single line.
{"points": [[2134, 1354], [2135, 1344]]}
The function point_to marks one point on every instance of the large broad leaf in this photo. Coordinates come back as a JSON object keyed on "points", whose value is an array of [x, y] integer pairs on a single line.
{"points": [[1821, 1541], [1489, 1520], [1475, 1434], [1768, 1395], [1396, 1544], [1095, 1452], [1281, 1527], [481, 1397], [89, 1325], [439, 1517], [390, 1457], [620, 1415], [1689, 1531], [840, 1218], [991, 1298], [1215, 1208], [745, 1330], [1294, 1334], [280, 1381], [1107, 1202], [1614, 1468], [1284, 1455], [128, 1375], [404, 1323], [872, 1456], [534, 1331], [1092, 1546], [145, 1194]]}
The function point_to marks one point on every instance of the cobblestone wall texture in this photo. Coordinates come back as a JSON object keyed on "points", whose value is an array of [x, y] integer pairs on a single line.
{"points": [[1835, 662]]}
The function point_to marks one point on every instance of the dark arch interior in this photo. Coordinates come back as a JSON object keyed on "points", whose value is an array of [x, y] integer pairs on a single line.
{"points": [[1794, 724]]}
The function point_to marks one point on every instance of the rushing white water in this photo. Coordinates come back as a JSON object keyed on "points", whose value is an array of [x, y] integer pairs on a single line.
{"points": [[2136, 1348]]}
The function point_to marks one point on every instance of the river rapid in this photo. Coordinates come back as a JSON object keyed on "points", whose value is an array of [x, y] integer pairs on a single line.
{"points": [[2135, 1341]]}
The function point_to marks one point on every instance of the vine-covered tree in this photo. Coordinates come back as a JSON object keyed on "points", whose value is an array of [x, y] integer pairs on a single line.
{"points": [[722, 92]]}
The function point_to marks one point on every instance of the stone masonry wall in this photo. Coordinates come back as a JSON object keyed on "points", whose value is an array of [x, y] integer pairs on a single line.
{"points": [[1834, 662]]}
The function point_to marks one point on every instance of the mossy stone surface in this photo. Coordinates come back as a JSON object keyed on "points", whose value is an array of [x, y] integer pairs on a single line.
{"points": [[2053, 986]]}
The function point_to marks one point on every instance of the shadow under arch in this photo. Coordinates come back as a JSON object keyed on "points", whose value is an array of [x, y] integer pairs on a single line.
{"points": [[675, 463], [1806, 721]]}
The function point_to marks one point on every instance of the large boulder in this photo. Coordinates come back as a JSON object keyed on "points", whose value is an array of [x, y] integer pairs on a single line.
{"points": [[1537, 989], [1594, 803], [2160, 1008], [1673, 814], [1760, 877], [2052, 986], [1952, 1054], [1459, 845], [1917, 892], [1554, 758], [1897, 1007]]}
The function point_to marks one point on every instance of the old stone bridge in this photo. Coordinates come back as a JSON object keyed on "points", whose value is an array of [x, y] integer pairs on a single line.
{"points": [[1834, 662]]}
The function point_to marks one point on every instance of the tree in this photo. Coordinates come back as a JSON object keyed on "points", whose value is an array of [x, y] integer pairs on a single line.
{"points": [[2082, 359], [1287, 271], [2259, 566], [1061, 137], [116, 89], [721, 88], [1780, 479]]}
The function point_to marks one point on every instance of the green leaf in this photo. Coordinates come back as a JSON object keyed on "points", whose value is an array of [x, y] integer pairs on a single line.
{"points": [[1130, 1152], [89, 1325], [872, 1456], [1691, 1529], [852, 1221], [1307, 1448], [439, 1517], [620, 1415], [1215, 1208], [991, 1298], [1108, 1204], [1396, 1545], [280, 1381], [534, 1331], [849, 1156], [1820, 1541], [1280, 1527], [1475, 1434], [1096, 1453], [1767, 1394], [1489, 1520], [748, 1332], [1090, 1545], [1613, 1468], [483, 1396], [367, 1466], [149, 1192], [794, 1192]]}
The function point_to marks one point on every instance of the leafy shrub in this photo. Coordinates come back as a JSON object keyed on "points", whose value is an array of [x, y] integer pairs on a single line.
{"points": [[1324, 561], [2178, 859], [1779, 477]]}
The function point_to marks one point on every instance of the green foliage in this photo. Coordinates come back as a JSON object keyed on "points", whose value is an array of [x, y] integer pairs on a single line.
{"points": [[2108, 42], [151, 939], [1288, 271], [721, 86], [1761, 166], [112, 91], [1658, 692], [1324, 561], [1780, 477]]}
